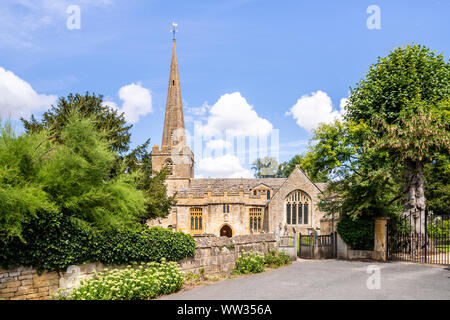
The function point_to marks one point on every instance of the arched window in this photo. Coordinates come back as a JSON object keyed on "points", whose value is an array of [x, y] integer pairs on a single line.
{"points": [[297, 208]]}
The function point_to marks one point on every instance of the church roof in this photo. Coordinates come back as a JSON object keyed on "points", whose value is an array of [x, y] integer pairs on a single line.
{"points": [[231, 185]]}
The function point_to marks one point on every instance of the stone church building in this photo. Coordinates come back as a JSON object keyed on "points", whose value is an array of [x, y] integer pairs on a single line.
{"points": [[228, 207]]}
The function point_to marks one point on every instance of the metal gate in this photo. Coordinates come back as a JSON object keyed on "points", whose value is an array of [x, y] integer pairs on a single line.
{"points": [[317, 247], [421, 237]]}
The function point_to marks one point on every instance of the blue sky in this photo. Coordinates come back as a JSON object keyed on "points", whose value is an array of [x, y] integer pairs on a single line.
{"points": [[269, 54]]}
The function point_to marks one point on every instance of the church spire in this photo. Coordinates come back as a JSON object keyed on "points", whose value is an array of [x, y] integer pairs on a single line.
{"points": [[174, 118]]}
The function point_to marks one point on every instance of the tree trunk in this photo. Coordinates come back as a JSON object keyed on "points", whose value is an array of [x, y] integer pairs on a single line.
{"points": [[414, 193]]}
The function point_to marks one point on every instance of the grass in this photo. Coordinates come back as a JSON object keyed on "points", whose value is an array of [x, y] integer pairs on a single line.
{"points": [[443, 248]]}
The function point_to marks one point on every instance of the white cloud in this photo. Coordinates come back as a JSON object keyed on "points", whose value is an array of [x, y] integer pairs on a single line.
{"points": [[310, 110], [18, 98], [227, 166], [137, 102], [233, 114]]}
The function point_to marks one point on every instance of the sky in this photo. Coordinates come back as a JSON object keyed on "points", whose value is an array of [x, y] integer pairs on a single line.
{"points": [[257, 76]]}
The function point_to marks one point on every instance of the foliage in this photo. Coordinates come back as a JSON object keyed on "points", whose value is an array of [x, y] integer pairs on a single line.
{"points": [[265, 167], [53, 242], [357, 232], [146, 281], [276, 259], [396, 126], [105, 119], [70, 176], [21, 196], [362, 182], [116, 131], [407, 74], [437, 187], [250, 262], [439, 229], [306, 163], [255, 262], [152, 184]]}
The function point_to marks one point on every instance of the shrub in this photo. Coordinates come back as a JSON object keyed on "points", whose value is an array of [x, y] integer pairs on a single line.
{"points": [[54, 242], [146, 281], [251, 262], [358, 233], [439, 228], [275, 259]]}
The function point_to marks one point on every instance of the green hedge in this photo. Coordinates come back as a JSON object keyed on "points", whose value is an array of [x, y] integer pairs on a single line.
{"points": [[54, 243], [359, 233]]}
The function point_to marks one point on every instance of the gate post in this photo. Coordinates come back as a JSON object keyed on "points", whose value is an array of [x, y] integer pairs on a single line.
{"points": [[380, 239]]}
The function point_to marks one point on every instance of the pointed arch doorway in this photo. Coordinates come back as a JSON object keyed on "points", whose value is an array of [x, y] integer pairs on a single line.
{"points": [[226, 231]]}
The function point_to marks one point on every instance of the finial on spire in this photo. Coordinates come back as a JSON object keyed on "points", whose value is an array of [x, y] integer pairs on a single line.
{"points": [[174, 29]]}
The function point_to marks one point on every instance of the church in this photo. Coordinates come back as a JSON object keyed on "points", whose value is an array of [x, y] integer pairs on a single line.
{"points": [[229, 206]]}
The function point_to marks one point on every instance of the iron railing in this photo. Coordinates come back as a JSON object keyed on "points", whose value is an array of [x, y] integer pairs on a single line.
{"points": [[421, 237]]}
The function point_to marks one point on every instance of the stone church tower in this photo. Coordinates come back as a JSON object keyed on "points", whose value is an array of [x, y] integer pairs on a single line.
{"points": [[227, 206], [175, 152]]}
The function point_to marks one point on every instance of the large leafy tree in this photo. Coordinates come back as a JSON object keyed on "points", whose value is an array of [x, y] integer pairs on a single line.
{"points": [[117, 132], [104, 117], [396, 126], [401, 99], [71, 176]]}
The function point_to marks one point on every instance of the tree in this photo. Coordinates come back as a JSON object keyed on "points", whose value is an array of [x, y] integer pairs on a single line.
{"points": [[70, 176], [113, 125], [410, 79], [396, 125], [265, 167], [306, 163], [158, 204], [416, 139], [286, 168], [105, 119], [437, 186], [361, 182]]}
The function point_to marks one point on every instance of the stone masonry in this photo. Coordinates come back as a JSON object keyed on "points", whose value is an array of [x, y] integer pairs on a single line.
{"points": [[213, 255], [224, 204]]}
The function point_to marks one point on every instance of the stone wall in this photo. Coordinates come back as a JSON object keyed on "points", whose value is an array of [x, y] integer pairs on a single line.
{"points": [[25, 283], [216, 255], [213, 255], [344, 251]]}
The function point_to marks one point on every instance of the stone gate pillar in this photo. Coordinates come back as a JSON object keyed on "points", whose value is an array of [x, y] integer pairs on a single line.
{"points": [[380, 239]]}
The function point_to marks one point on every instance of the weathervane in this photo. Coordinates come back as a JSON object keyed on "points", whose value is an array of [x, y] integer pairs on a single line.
{"points": [[174, 29]]}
